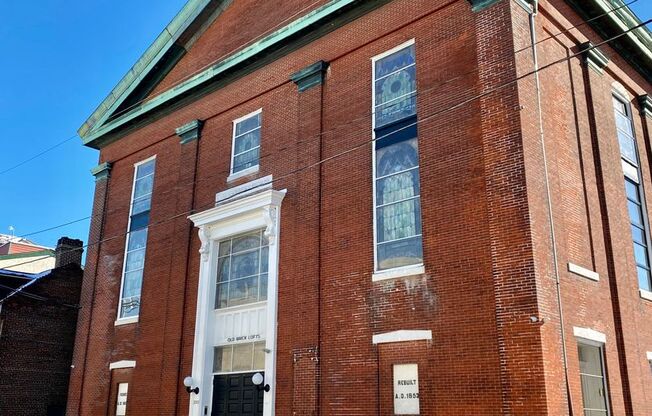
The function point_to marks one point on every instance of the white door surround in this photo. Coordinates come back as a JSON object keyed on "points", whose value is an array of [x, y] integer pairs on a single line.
{"points": [[256, 211]]}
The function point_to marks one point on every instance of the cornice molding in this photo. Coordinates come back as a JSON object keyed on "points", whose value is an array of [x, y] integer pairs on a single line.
{"points": [[478, 5], [646, 104], [593, 57], [102, 171], [310, 76], [190, 131]]}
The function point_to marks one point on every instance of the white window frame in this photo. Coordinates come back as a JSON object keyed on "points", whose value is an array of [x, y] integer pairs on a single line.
{"points": [[599, 342], [395, 272], [260, 210], [131, 319], [634, 174], [252, 169]]}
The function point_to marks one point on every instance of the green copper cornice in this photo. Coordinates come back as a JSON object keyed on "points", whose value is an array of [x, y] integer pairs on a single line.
{"points": [[305, 29], [646, 104], [165, 51], [635, 46], [101, 171], [190, 131], [477, 5], [593, 57], [310, 76]]}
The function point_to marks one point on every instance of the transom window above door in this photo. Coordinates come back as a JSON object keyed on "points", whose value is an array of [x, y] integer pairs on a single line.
{"points": [[242, 270]]}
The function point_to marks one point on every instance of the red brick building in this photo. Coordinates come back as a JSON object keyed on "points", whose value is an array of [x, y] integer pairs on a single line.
{"points": [[383, 207]]}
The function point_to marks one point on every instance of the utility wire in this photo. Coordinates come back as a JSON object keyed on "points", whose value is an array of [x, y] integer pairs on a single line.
{"points": [[173, 86], [365, 143], [187, 77], [366, 115], [18, 291], [49, 149]]}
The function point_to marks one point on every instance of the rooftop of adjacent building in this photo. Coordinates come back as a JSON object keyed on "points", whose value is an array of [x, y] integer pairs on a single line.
{"points": [[13, 280]]}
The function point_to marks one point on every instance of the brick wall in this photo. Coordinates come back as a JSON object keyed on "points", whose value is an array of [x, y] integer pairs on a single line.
{"points": [[485, 220], [36, 343]]}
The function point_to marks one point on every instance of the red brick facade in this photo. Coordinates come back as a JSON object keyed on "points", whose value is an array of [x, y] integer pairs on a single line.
{"points": [[488, 254]]}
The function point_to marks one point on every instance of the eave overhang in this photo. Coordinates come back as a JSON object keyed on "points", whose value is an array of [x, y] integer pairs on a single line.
{"points": [[157, 60], [635, 46], [109, 127]]}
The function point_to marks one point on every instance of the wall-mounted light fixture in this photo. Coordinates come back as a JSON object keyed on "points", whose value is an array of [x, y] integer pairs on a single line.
{"points": [[188, 382], [258, 380]]}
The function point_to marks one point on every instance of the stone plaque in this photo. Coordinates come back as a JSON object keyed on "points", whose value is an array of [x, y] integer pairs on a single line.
{"points": [[406, 389], [121, 407]]}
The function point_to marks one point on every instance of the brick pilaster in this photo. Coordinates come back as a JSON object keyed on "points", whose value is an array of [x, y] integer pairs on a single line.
{"points": [[85, 319], [306, 316]]}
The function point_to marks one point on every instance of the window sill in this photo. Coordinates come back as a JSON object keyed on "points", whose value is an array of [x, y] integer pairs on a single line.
{"points": [[126, 321], [398, 272], [645, 294], [584, 272], [232, 177]]}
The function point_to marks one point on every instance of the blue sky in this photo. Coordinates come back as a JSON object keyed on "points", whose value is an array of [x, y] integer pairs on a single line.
{"points": [[60, 59]]}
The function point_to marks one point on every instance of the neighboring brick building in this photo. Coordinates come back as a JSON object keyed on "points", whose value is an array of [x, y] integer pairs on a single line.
{"points": [[358, 199], [38, 319]]}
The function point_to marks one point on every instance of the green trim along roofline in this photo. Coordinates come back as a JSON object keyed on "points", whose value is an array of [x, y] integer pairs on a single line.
{"points": [[145, 64], [105, 125], [635, 46], [92, 137], [41, 253]]}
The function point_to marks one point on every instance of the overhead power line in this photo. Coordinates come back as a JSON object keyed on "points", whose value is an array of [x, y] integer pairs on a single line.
{"points": [[367, 142], [188, 76], [218, 174]]}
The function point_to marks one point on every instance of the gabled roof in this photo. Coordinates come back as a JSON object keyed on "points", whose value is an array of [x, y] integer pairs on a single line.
{"points": [[157, 60], [126, 108]]}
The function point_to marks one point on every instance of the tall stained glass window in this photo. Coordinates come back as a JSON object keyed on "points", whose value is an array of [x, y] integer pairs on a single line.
{"points": [[134, 264], [396, 153]]}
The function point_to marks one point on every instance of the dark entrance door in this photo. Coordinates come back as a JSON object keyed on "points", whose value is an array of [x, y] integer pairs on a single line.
{"points": [[236, 395]]}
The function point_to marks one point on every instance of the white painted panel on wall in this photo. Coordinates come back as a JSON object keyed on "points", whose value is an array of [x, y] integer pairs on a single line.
{"points": [[406, 389], [121, 406], [241, 325]]}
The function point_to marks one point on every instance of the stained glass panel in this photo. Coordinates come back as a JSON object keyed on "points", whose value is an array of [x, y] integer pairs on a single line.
{"points": [[395, 87]]}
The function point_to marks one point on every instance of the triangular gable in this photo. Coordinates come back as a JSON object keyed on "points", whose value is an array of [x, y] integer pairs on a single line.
{"points": [[116, 115], [156, 62]]}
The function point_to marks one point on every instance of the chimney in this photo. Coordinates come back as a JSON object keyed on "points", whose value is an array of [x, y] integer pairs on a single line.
{"points": [[68, 251]]}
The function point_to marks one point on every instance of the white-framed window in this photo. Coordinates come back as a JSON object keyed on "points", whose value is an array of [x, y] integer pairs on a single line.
{"points": [[245, 150], [397, 202], [136, 242], [242, 270], [595, 396], [639, 224], [239, 358]]}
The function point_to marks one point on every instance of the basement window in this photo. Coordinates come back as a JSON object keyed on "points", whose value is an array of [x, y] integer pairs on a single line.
{"points": [[592, 376]]}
